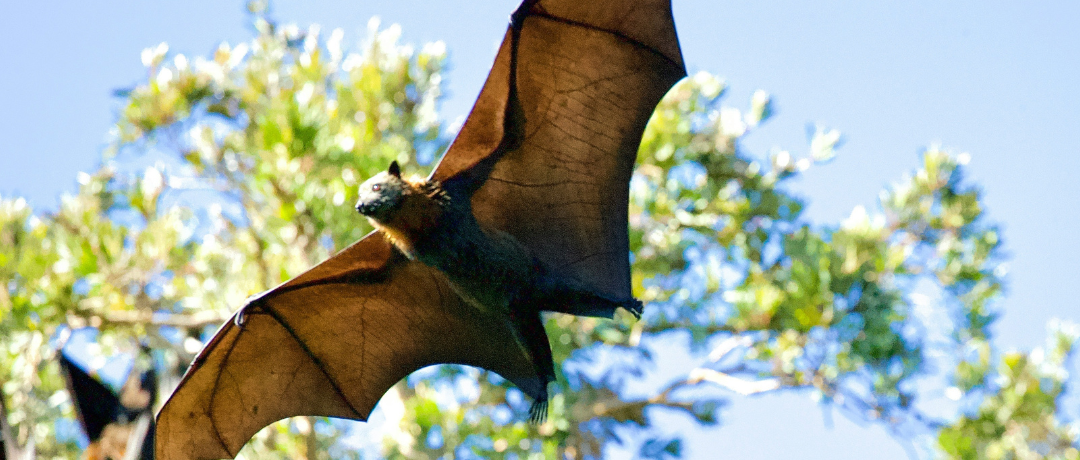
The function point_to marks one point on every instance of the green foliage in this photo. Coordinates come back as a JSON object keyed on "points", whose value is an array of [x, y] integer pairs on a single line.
{"points": [[275, 134], [232, 173], [1019, 419]]}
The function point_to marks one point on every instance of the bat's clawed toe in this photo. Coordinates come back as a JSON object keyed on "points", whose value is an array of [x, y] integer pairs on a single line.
{"points": [[538, 411]]}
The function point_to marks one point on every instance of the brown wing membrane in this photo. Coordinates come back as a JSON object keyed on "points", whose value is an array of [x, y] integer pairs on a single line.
{"points": [[330, 342], [586, 77]]}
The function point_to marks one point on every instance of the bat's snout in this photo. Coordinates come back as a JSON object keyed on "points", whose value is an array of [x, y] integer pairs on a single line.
{"points": [[365, 209]]}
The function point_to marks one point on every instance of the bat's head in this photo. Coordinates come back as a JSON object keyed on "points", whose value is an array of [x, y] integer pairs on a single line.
{"points": [[382, 193]]}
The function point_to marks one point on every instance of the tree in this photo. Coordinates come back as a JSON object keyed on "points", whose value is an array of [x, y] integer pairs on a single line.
{"points": [[232, 173]]}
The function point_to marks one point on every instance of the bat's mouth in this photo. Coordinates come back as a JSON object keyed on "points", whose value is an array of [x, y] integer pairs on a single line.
{"points": [[365, 209]]}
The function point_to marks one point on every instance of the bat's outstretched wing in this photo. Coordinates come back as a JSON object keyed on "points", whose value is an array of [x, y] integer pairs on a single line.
{"points": [[330, 342], [548, 149], [96, 405]]}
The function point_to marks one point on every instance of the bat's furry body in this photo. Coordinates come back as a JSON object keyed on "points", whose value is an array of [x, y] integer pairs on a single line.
{"points": [[490, 269]]}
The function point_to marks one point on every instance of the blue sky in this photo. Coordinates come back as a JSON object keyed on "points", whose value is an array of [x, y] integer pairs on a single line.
{"points": [[996, 79]]}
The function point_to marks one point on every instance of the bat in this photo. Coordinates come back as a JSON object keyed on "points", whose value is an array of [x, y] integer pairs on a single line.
{"points": [[114, 423], [526, 212]]}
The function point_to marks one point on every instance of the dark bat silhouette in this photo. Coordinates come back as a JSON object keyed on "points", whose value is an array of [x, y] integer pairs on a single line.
{"points": [[111, 420], [526, 211]]}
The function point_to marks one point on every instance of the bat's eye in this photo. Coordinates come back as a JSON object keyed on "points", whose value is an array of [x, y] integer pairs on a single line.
{"points": [[376, 187]]}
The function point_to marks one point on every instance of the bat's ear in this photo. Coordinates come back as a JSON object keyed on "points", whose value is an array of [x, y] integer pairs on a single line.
{"points": [[395, 170]]}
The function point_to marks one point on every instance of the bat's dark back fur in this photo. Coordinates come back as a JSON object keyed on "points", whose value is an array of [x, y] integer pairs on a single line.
{"points": [[488, 268]]}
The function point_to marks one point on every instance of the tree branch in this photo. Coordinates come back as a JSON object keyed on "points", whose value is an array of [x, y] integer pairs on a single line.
{"points": [[743, 387], [146, 317]]}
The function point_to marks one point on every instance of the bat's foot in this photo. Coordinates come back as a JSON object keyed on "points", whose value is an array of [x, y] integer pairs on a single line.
{"points": [[634, 306], [569, 296], [538, 411]]}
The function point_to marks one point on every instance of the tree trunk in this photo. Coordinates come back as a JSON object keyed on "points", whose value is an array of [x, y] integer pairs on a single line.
{"points": [[10, 450]]}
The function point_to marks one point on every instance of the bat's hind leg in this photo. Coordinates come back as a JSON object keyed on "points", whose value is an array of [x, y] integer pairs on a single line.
{"points": [[568, 297], [530, 328]]}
